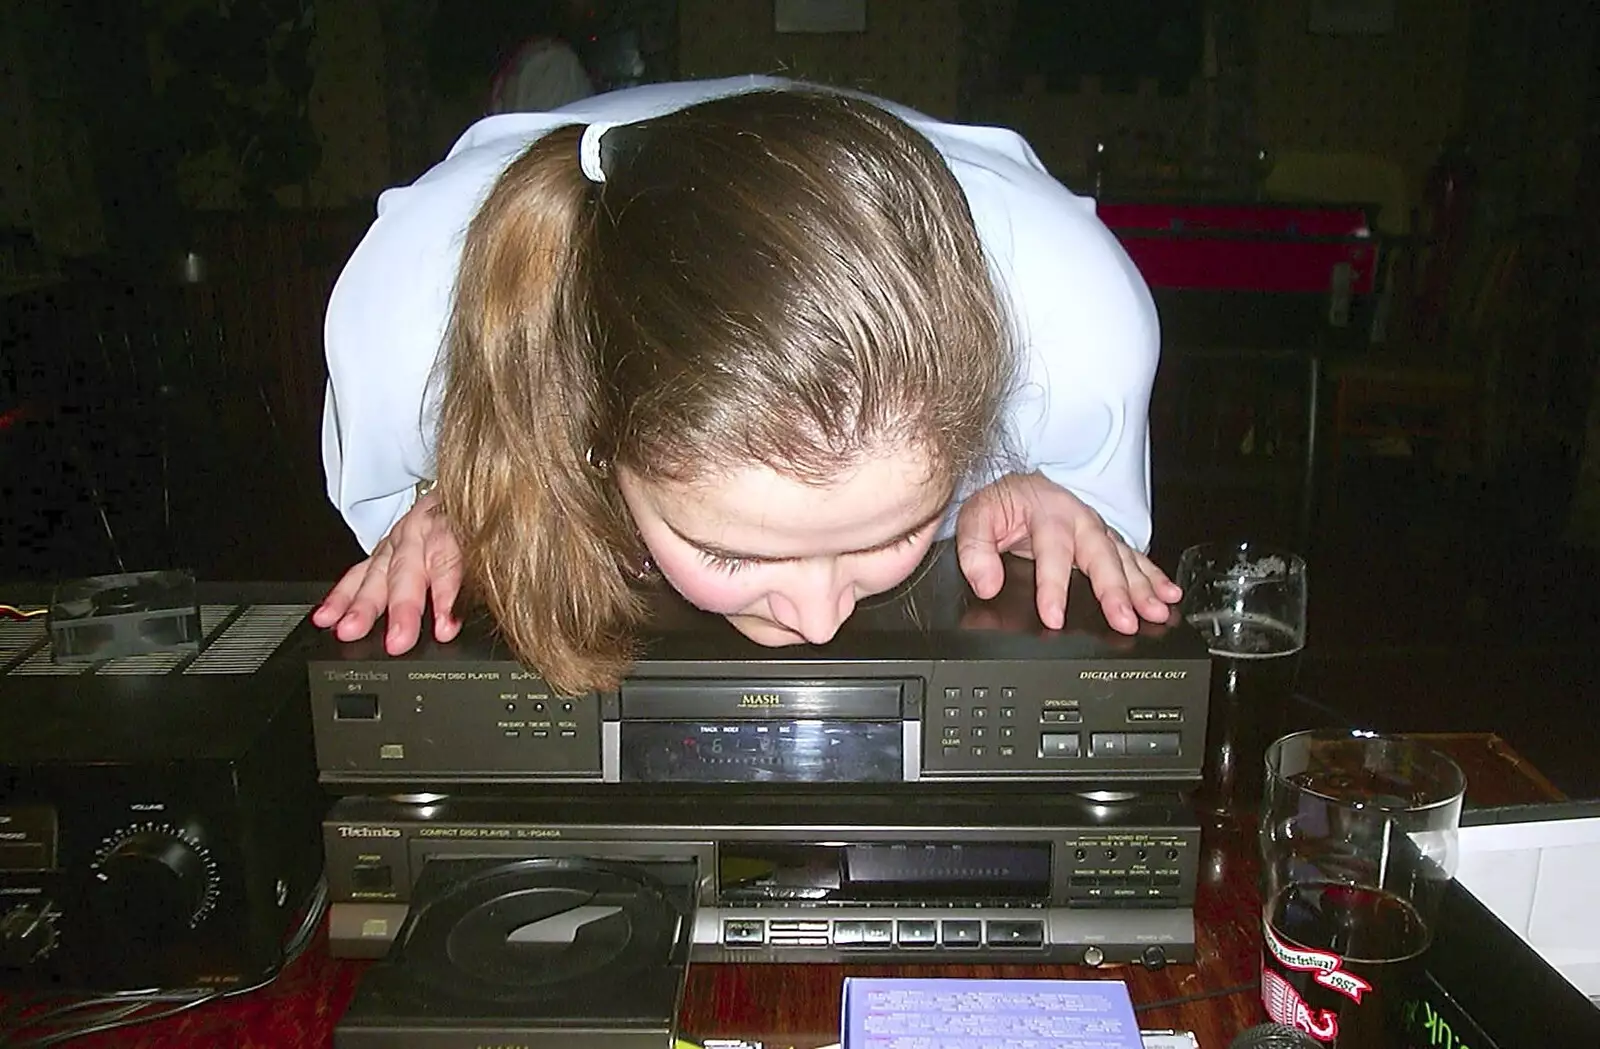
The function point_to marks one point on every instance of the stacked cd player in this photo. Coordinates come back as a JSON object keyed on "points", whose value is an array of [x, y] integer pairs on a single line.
{"points": [[947, 780]]}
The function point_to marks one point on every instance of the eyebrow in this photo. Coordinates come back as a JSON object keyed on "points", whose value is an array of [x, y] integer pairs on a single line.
{"points": [[725, 554]]}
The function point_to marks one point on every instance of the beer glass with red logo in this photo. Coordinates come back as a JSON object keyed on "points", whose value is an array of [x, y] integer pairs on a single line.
{"points": [[1358, 843]]}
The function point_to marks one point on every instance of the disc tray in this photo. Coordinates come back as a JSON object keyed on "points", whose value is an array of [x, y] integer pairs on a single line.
{"points": [[542, 952]]}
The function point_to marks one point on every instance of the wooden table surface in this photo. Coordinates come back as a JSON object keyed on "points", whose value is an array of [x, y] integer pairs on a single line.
{"points": [[798, 1005]]}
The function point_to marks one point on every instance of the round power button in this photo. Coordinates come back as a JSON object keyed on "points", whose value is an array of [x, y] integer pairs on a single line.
{"points": [[1093, 956]]}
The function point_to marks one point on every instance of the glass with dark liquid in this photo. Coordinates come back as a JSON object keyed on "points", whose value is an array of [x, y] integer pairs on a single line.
{"points": [[1248, 601], [1358, 843]]}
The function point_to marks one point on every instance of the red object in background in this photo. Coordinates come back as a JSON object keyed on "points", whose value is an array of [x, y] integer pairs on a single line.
{"points": [[1246, 247]]}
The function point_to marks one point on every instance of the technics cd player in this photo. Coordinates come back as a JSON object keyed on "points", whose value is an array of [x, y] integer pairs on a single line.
{"points": [[927, 684], [1048, 878]]}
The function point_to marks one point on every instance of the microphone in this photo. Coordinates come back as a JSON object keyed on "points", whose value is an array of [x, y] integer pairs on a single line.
{"points": [[1274, 1036]]}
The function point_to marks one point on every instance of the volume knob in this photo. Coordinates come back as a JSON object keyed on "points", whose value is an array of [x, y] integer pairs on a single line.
{"points": [[155, 879]]}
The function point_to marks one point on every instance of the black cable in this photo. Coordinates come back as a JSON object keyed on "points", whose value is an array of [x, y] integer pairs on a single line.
{"points": [[114, 1011], [127, 1016], [128, 1008], [1223, 992]]}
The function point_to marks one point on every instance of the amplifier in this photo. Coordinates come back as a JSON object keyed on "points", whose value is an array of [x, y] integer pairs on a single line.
{"points": [[959, 878], [159, 813], [929, 685]]}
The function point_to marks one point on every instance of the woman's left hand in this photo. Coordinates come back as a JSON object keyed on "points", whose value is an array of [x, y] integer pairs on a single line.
{"points": [[1031, 516]]}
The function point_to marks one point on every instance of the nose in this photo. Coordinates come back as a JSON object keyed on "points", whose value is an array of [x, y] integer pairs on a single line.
{"points": [[813, 599]]}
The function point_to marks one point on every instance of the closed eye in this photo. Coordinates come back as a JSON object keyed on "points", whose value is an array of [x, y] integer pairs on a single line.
{"points": [[729, 565], [732, 565]]}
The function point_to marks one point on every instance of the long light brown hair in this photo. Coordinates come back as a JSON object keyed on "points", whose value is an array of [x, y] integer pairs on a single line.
{"points": [[790, 278]]}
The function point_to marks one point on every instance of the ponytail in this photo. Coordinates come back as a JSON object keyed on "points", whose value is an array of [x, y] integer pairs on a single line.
{"points": [[543, 531]]}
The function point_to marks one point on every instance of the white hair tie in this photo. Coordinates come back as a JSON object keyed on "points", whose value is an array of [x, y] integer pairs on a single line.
{"points": [[589, 150]]}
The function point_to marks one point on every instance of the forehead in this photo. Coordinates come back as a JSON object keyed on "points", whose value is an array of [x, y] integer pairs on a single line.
{"points": [[761, 512]]}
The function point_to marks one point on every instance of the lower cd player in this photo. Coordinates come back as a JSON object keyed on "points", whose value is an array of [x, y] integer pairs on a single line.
{"points": [[1055, 878]]}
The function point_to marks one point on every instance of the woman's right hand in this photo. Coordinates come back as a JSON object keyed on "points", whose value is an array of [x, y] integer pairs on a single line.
{"points": [[419, 557]]}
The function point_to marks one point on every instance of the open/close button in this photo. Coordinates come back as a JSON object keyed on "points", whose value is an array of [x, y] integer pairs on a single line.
{"points": [[740, 932]]}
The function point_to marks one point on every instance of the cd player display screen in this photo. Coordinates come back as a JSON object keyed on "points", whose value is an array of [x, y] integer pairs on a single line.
{"points": [[754, 751], [930, 871]]}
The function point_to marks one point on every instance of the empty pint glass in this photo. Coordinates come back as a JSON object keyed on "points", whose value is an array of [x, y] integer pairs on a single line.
{"points": [[1358, 843], [1248, 601]]}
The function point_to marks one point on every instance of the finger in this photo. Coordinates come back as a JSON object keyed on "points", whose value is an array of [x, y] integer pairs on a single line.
{"points": [[338, 599], [978, 549], [445, 585], [1100, 561], [1053, 550], [408, 594], [367, 604], [1165, 588], [1141, 574]]}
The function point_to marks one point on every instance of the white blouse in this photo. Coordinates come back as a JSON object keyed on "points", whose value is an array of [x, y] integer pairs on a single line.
{"points": [[1085, 318]]}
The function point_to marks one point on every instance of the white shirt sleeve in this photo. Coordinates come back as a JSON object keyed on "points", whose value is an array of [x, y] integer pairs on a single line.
{"points": [[384, 328], [1086, 324]]}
